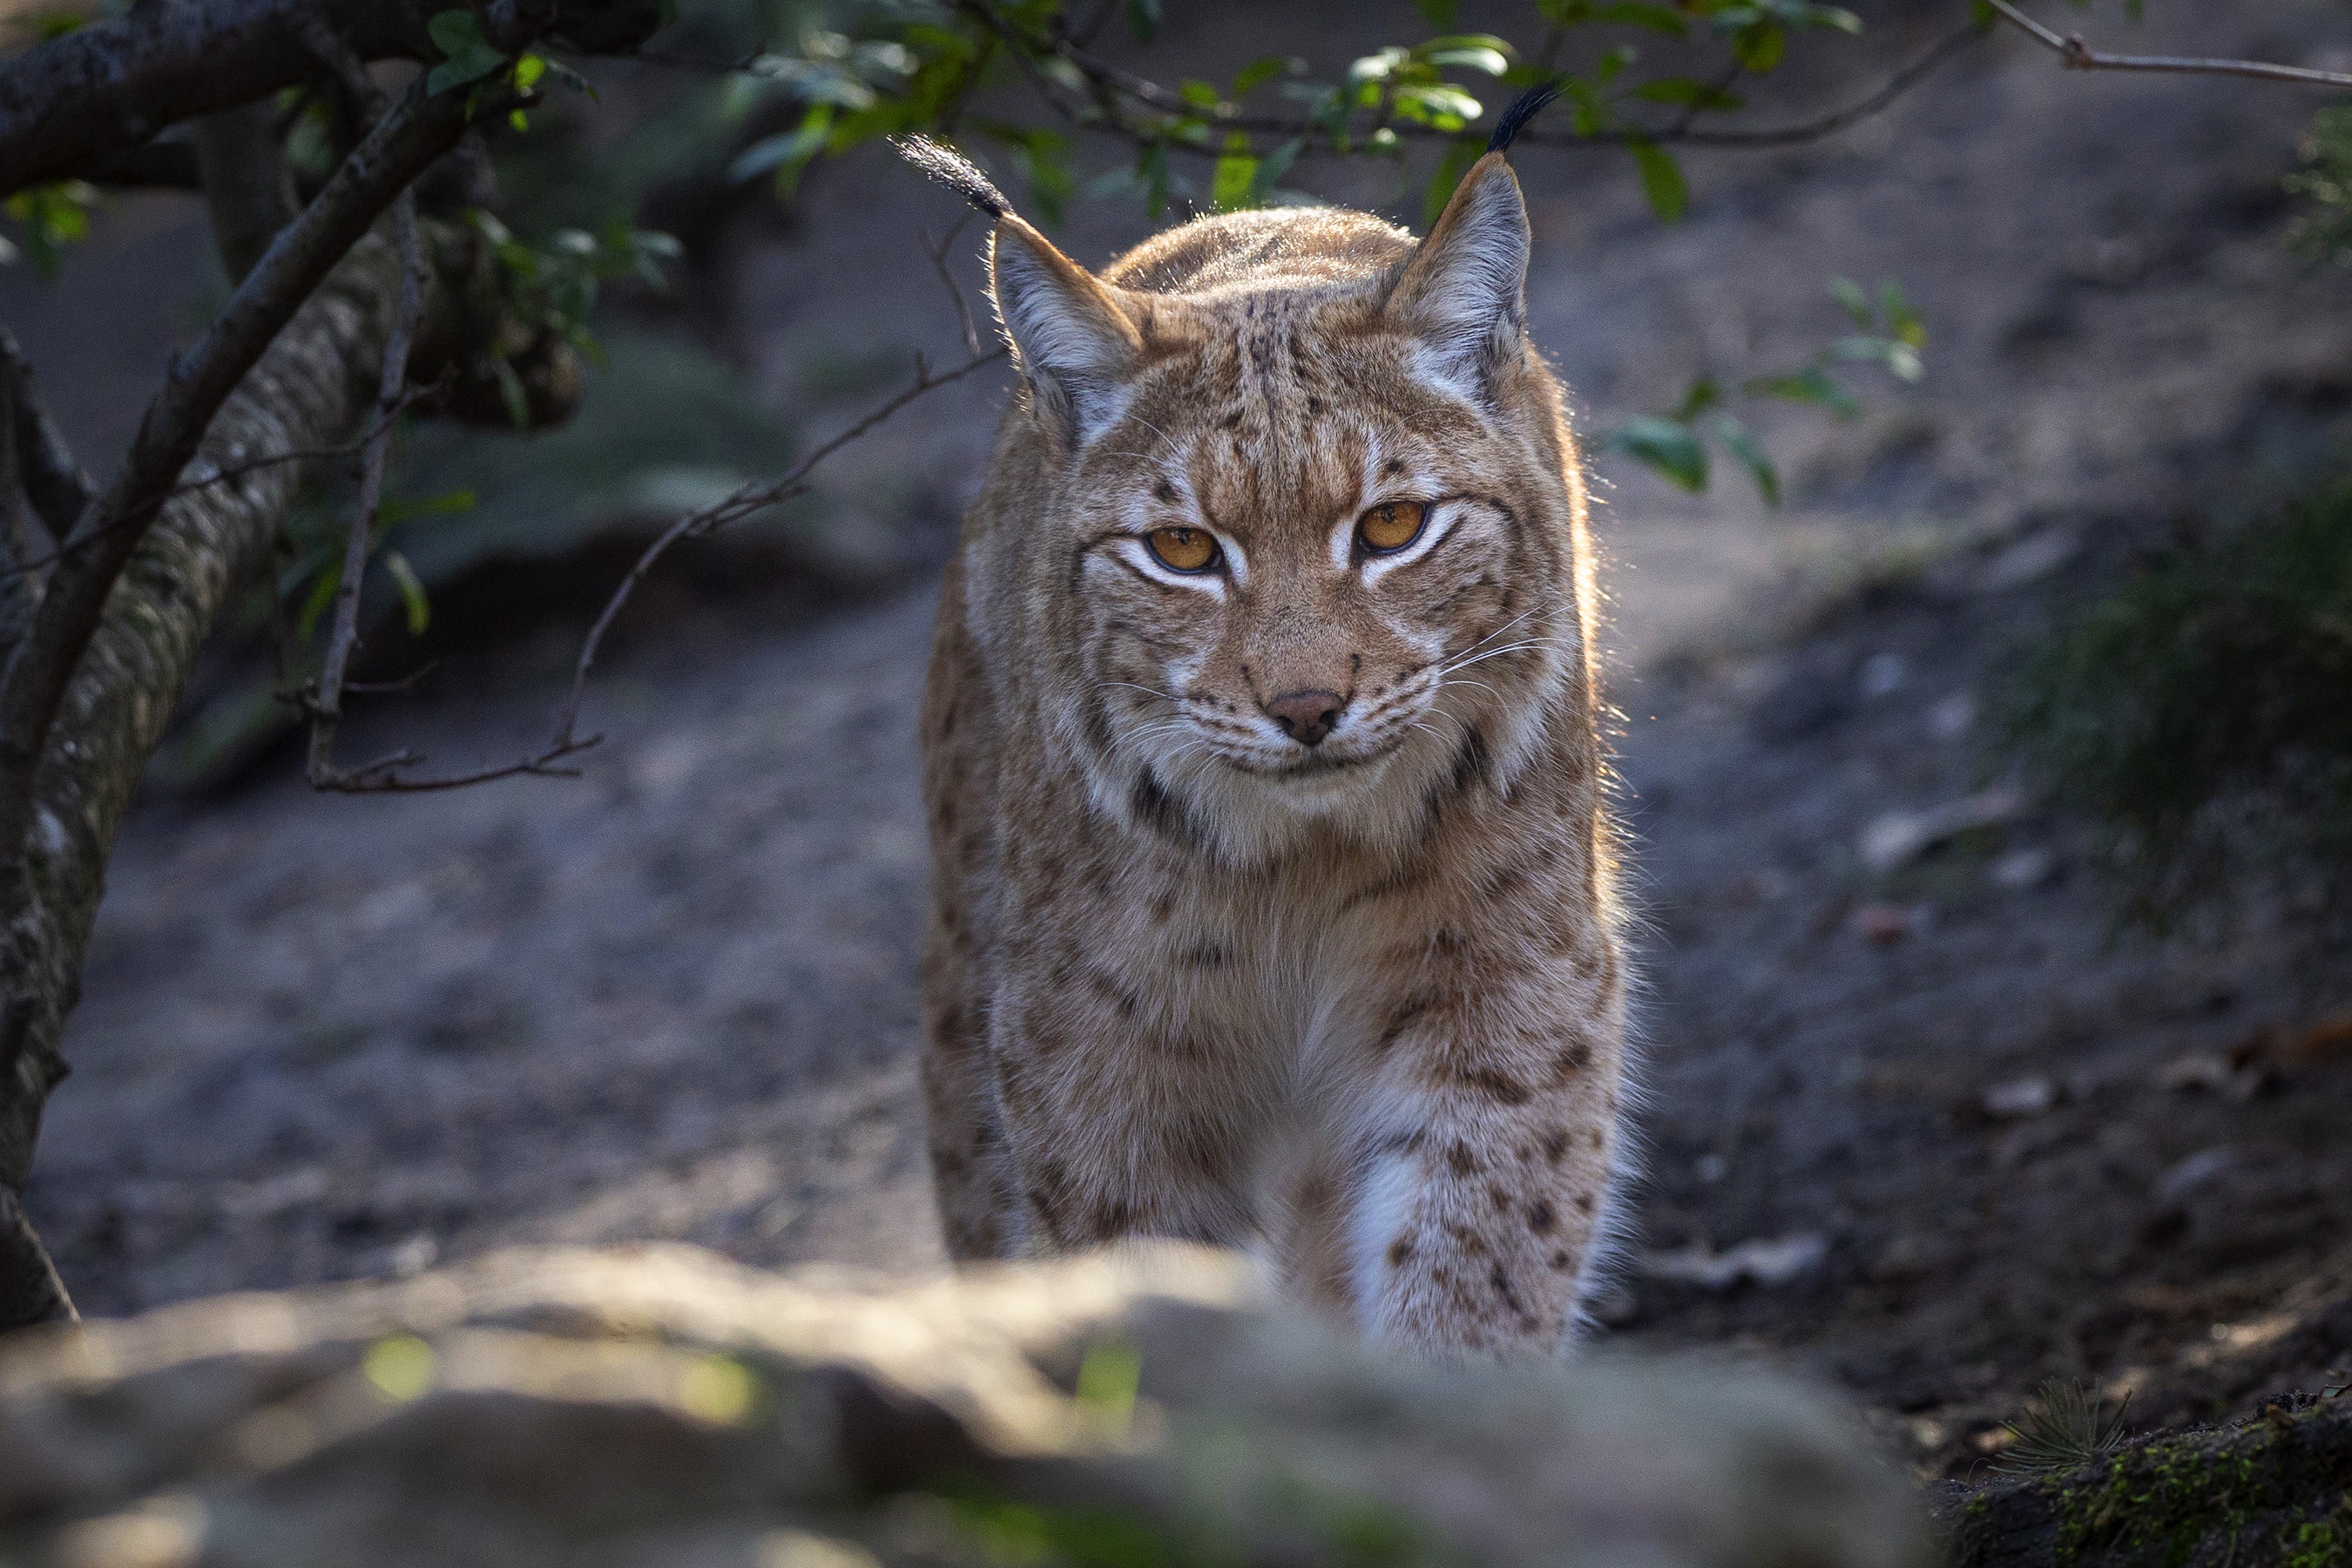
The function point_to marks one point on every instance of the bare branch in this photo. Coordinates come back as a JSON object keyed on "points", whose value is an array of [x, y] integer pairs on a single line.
{"points": [[1910, 76], [938, 255], [46, 466], [385, 776], [750, 499], [40, 667], [327, 702], [2076, 55]]}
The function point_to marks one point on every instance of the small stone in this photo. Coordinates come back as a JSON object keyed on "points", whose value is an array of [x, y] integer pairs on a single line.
{"points": [[1882, 923], [2020, 1097], [2022, 868]]}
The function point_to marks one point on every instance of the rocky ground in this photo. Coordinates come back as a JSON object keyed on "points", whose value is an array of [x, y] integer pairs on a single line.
{"points": [[1919, 1120]]}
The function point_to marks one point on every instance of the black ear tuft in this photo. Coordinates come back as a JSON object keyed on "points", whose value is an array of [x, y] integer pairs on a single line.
{"points": [[953, 170], [1523, 109]]}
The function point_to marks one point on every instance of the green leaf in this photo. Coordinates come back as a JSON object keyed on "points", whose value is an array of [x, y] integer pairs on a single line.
{"points": [[467, 55], [1200, 94], [527, 72], [1437, 12], [1460, 153], [1903, 322], [448, 504], [1235, 174], [1143, 19], [1446, 107], [323, 594], [1811, 385], [51, 217], [1271, 169], [1490, 61], [1760, 48], [1260, 71], [1662, 179], [1850, 294], [1704, 395], [1667, 446], [788, 153], [412, 592], [1742, 445]]}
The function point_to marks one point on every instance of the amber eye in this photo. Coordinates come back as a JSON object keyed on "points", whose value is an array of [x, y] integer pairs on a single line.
{"points": [[1391, 526], [1183, 548]]}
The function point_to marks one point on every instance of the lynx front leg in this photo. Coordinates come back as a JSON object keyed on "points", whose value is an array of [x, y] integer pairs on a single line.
{"points": [[1482, 1196]]}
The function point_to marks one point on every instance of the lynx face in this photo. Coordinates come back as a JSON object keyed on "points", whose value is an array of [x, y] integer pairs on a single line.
{"points": [[1309, 549]]}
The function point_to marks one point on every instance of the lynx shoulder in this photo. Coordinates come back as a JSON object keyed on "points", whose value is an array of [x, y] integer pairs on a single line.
{"points": [[1273, 896]]}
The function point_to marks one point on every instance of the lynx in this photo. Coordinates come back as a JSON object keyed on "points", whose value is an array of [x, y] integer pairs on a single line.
{"points": [[1273, 879]]}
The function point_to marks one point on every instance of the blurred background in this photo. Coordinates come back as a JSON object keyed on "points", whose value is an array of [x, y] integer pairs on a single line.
{"points": [[1984, 761]]}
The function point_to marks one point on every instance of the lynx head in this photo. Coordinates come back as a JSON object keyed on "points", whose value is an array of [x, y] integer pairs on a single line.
{"points": [[1293, 511]]}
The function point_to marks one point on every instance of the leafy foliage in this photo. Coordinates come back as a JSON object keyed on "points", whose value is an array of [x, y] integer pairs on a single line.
{"points": [[2200, 707], [869, 71], [2324, 178], [48, 219], [1888, 332]]}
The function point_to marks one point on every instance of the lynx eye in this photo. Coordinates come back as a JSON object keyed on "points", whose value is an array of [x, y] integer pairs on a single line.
{"points": [[1391, 526], [1183, 548]]}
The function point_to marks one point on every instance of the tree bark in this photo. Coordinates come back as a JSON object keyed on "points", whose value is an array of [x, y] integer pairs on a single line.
{"points": [[2275, 1489], [308, 392], [68, 105]]}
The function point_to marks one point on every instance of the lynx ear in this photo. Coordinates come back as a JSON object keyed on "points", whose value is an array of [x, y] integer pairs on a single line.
{"points": [[1463, 291], [1074, 344]]}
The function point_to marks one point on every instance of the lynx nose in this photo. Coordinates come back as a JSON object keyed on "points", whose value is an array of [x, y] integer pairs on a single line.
{"points": [[1307, 716]]}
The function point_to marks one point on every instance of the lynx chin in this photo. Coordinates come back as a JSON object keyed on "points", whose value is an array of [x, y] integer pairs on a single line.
{"points": [[1272, 898]]}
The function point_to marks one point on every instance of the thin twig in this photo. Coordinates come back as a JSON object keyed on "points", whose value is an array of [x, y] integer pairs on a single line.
{"points": [[938, 255], [327, 701], [383, 776], [750, 499], [2076, 55]]}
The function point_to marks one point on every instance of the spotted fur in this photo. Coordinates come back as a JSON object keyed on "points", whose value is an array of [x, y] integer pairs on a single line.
{"points": [[1360, 1002]]}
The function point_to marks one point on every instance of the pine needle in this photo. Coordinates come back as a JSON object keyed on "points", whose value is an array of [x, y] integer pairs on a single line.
{"points": [[2067, 1428]]}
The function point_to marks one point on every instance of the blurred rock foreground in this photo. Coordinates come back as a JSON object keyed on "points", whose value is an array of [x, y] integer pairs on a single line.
{"points": [[661, 1406]]}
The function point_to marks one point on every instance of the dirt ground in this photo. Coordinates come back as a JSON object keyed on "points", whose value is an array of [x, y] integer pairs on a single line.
{"points": [[1922, 1122]]}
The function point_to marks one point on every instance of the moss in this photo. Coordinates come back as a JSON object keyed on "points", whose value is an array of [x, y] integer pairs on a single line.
{"points": [[2161, 1503], [2323, 1543]]}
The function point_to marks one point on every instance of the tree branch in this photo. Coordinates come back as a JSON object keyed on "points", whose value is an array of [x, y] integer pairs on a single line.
{"points": [[316, 381], [40, 667], [2076, 55], [45, 464], [68, 105]]}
